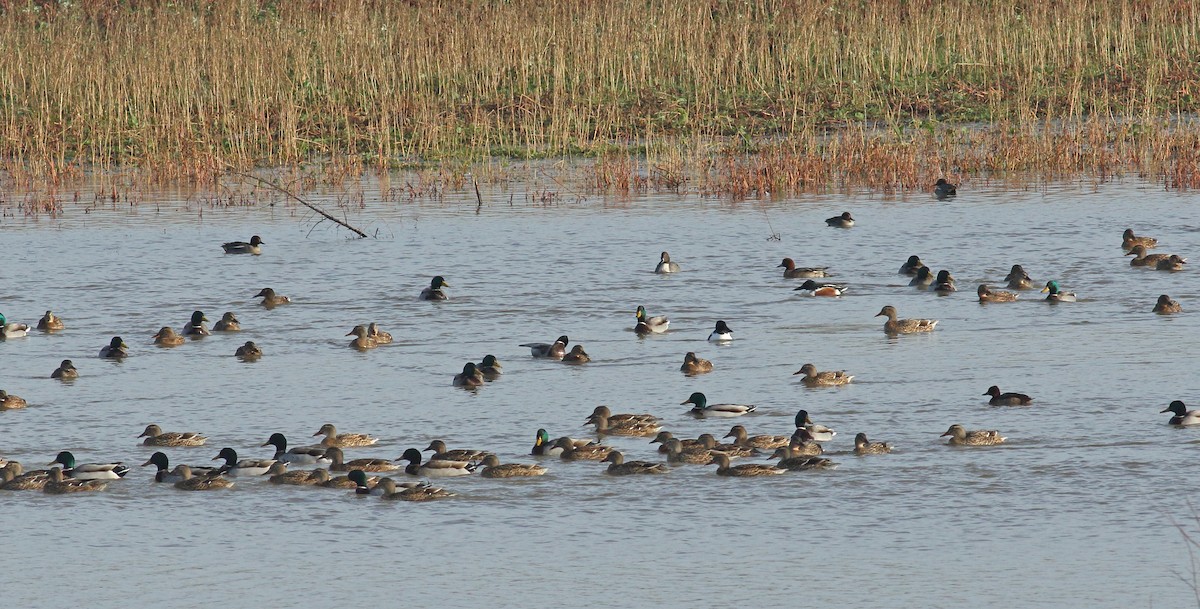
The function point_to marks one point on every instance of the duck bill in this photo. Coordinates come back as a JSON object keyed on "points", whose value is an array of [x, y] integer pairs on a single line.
{"points": [[944, 435], [151, 462], [1165, 410]]}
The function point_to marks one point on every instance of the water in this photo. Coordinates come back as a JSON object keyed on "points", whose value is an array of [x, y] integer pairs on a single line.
{"points": [[1076, 510]]}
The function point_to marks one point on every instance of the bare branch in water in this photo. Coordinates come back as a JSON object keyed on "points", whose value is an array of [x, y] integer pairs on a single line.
{"points": [[295, 197]]}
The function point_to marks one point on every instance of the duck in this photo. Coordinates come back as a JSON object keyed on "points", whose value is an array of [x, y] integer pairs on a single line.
{"points": [[823, 378], [1172, 263], [11, 402], [1182, 416], [617, 466], [845, 220], [820, 433], [575, 356], [279, 474], [298, 455], [196, 327], [1018, 279], [628, 427], [749, 469], [701, 407], [354, 481], [923, 279], [434, 468], [791, 271], [89, 471], [339, 464], [709, 442], [895, 326], [605, 411], [13, 477], [987, 294], [343, 440], [944, 283], [1055, 295], [812, 288], [490, 367], [650, 325], [12, 329], [695, 365], [115, 349], [555, 350], [155, 437], [166, 337], [1141, 258], [944, 190], [57, 484], [911, 266], [469, 378], [803, 444], [570, 450], [228, 323], [460, 454], [961, 437], [742, 438], [721, 333], [794, 458], [665, 266], [1130, 241], [65, 371], [50, 322], [492, 468], [245, 467], [676, 453], [1166, 306], [241, 247], [542, 446], [688, 444], [380, 337], [190, 481], [863, 446], [270, 299], [362, 340], [163, 472], [249, 351], [1006, 399], [434, 291], [412, 491]]}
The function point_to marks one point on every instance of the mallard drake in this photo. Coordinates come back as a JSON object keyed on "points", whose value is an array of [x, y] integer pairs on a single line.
{"points": [[796, 458], [89, 471], [13, 477], [339, 464], [709, 442], [820, 433], [12, 329], [962, 437], [66, 371], [812, 288], [665, 265], [155, 437], [570, 450], [412, 491], [650, 325], [845, 220], [742, 438], [1141, 258], [749, 469], [434, 468], [803, 444], [923, 279], [196, 327], [11, 402], [279, 474], [490, 367], [360, 482], [605, 411], [1018, 279], [115, 349], [1055, 295], [904, 326], [1006, 399], [549, 351], [380, 337], [343, 440], [688, 444], [166, 337], [362, 340], [434, 291], [721, 333], [944, 284], [1172, 263], [628, 427], [987, 294], [50, 322], [575, 356], [298, 455], [823, 378], [469, 378], [1182, 416], [493, 469], [461, 454], [249, 351], [544, 447], [1166, 306], [227, 323], [944, 190], [912, 266], [791, 271], [695, 365], [270, 299], [58, 485], [1129, 240], [863, 446], [617, 466], [241, 247], [245, 467], [191, 481], [677, 454], [163, 472], [701, 407]]}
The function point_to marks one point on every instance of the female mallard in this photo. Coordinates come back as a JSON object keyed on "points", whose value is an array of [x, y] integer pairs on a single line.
{"points": [[362, 340], [412, 491], [469, 378], [575, 356], [802, 444], [912, 266], [1140, 258], [749, 469], [1172, 263], [166, 337], [155, 437], [1056, 295], [493, 469], [58, 485], [50, 322], [665, 266], [709, 442], [1182, 416], [190, 481], [1166, 306], [241, 247], [245, 467], [1018, 279], [797, 459], [65, 371], [944, 190], [742, 438], [1130, 241], [298, 455], [617, 466], [279, 474], [367, 465], [571, 451], [163, 472], [343, 440], [380, 337], [987, 294], [249, 351], [791, 271], [490, 368], [13, 477], [649, 325], [845, 220], [628, 427], [461, 454], [196, 327], [549, 351], [11, 402], [688, 444], [823, 378], [605, 411], [1006, 399], [677, 454], [695, 365], [356, 479], [227, 323], [721, 333], [895, 326], [434, 468], [820, 433], [434, 291], [89, 471], [115, 349], [980, 437], [12, 329], [923, 279], [944, 284], [701, 407], [863, 446], [812, 288], [270, 299]]}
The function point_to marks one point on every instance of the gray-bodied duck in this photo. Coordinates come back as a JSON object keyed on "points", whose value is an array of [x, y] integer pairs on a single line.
{"points": [[843, 220], [1181, 416], [1056, 294], [228, 323], [791, 271], [987, 294], [1018, 279], [742, 438], [156, 437], [895, 326], [649, 325], [434, 291], [298, 455], [555, 350], [242, 247], [163, 472], [701, 408], [434, 468], [1006, 399], [65, 371], [12, 329], [167, 337], [89, 471], [863, 446], [618, 466], [695, 365], [492, 468], [944, 284], [1166, 306], [665, 265], [820, 433], [749, 469], [241, 467], [270, 299], [195, 326], [343, 440], [50, 322], [981, 437], [350, 480], [822, 378], [115, 349], [11, 402]]}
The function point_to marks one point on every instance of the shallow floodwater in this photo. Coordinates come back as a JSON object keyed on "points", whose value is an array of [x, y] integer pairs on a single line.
{"points": [[1077, 509]]}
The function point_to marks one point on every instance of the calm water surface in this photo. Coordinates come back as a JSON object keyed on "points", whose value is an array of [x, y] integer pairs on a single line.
{"points": [[1076, 510]]}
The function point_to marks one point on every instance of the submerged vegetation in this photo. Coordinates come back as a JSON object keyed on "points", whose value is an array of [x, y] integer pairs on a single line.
{"points": [[732, 97]]}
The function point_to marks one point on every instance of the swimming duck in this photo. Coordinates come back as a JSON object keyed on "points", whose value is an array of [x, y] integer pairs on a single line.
{"points": [[912, 266], [665, 265], [629, 427], [575, 356], [795, 458], [460, 454], [298, 455], [863, 446], [986, 294], [166, 337], [1056, 295], [1172, 263], [803, 444], [434, 468], [749, 469], [688, 444], [617, 466], [1166, 306], [412, 491], [549, 351], [904, 326], [57, 484], [709, 442], [791, 271], [1141, 258], [241, 247], [1006, 399], [676, 453], [196, 326], [12, 329], [1182, 416], [434, 291], [742, 438], [650, 325], [362, 340], [343, 440], [944, 283], [845, 220], [701, 407], [923, 279], [13, 477], [824, 378], [542, 446], [695, 365], [89, 471], [270, 299], [339, 464], [493, 469], [570, 450], [944, 190], [155, 437], [227, 323], [245, 467], [469, 378], [50, 322], [490, 367], [1018, 279], [66, 371], [380, 337], [190, 481], [11, 402], [1129, 240], [820, 433], [721, 333], [115, 349], [164, 474], [355, 481], [962, 437], [279, 474], [812, 288], [605, 411], [249, 351]]}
